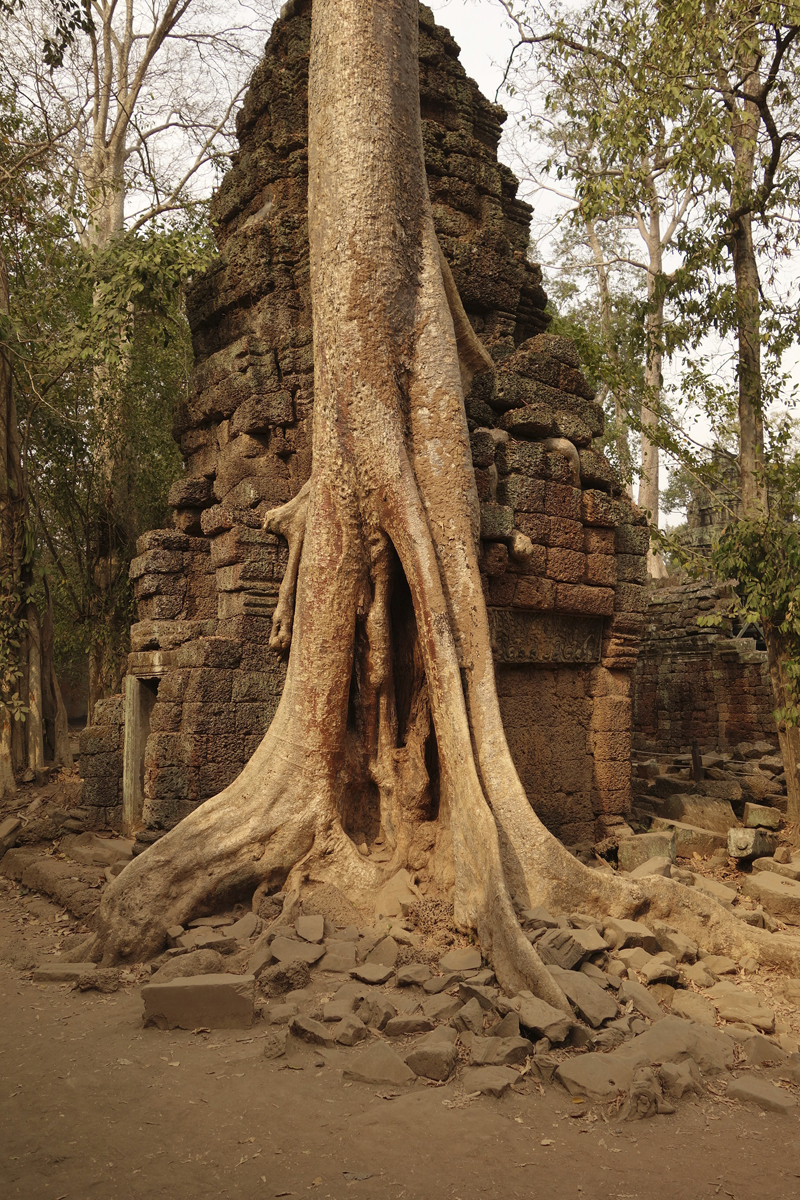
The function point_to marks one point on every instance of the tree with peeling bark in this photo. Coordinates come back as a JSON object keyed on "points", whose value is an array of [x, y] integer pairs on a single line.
{"points": [[390, 646]]}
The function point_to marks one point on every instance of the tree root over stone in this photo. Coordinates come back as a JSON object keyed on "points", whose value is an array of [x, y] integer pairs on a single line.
{"points": [[389, 716]]}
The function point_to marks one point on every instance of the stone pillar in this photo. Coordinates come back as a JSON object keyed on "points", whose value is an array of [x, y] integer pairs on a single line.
{"points": [[140, 697]]}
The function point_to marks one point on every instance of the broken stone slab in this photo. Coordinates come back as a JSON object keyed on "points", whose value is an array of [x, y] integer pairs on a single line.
{"points": [[742, 1009], [660, 969], [775, 893], [376, 1011], [674, 942], [593, 1003], [712, 887], [245, 928], [596, 1076], [440, 983], [344, 1002], [408, 1026], [622, 935], [9, 829], [385, 953], [761, 1052], [680, 1079], [396, 896], [311, 928], [633, 851], [751, 843], [701, 812], [486, 997], [761, 1093], [62, 972], [466, 958], [489, 1081], [280, 1014], [210, 1001], [203, 937], [540, 1018], [500, 1052], [559, 948], [653, 866], [641, 999], [288, 950], [306, 1029], [469, 1018], [691, 839], [694, 1007], [590, 940], [341, 962], [379, 1064], [506, 1027], [218, 921], [761, 816], [413, 973], [259, 959], [372, 973], [94, 851], [538, 918], [635, 959], [698, 974], [718, 964], [789, 870]]}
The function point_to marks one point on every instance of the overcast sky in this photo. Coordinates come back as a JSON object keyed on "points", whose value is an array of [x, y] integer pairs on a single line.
{"points": [[484, 34]]}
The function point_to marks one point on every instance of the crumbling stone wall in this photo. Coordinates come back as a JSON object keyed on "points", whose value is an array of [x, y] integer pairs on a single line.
{"points": [[562, 549], [100, 749], [698, 682]]}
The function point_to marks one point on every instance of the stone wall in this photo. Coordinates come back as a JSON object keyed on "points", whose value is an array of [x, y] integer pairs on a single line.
{"points": [[100, 763], [698, 682], [562, 555]]}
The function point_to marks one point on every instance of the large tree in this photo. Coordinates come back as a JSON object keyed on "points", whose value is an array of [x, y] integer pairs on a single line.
{"points": [[389, 630]]}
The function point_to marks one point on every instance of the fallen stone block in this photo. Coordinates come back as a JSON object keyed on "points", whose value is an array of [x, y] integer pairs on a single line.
{"points": [[245, 928], [196, 962], [280, 1014], [712, 887], [538, 918], [680, 1079], [641, 999], [434, 1059], [694, 1007], [675, 942], [385, 953], [789, 870], [372, 973], [691, 839], [306, 1029], [541, 1019], [340, 957], [500, 1052], [778, 895], [660, 969], [751, 843], [761, 1052], [413, 973], [9, 829], [632, 852], [61, 972], [470, 1017], [506, 1027], [349, 1031], [310, 928], [596, 1076], [94, 851], [624, 935], [719, 964], [212, 1001], [489, 1081], [486, 997], [635, 959], [441, 1007], [379, 1064], [761, 1093], [700, 812], [394, 898], [288, 950], [407, 1026], [591, 941], [761, 816], [558, 948]]}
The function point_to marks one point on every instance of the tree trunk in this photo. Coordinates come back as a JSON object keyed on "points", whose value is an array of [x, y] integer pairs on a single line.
{"points": [[788, 735], [389, 618], [606, 324], [751, 418], [54, 708], [34, 723], [654, 321], [8, 784]]}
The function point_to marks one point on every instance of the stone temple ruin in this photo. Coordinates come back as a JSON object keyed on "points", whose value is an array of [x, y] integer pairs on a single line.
{"points": [[565, 605]]}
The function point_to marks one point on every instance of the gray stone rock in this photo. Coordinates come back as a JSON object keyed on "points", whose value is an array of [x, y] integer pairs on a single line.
{"points": [[489, 1081], [507, 1027], [373, 973], [376, 1011], [778, 895], [702, 812], [486, 997], [413, 973], [440, 983], [596, 1076], [288, 950], [306, 1029], [196, 962], [538, 918], [339, 957], [698, 974], [712, 887], [691, 839], [752, 1013], [349, 1031], [541, 1019], [94, 851], [635, 959], [675, 943], [201, 1001], [310, 928], [433, 1060], [280, 1014], [466, 958], [385, 953], [590, 940], [442, 1007], [694, 1007], [719, 964], [761, 1093], [641, 999], [632, 852], [653, 866], [660, 969], [379, 1064], [761, 1052], [789, 870], [593, 1003], [681, 1079], [407, 1026], [751, 843], [470, 1017], [621, 935], [559, 948]]}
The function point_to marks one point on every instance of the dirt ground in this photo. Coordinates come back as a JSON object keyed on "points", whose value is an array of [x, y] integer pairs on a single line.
{"points": [[95, 1107]]}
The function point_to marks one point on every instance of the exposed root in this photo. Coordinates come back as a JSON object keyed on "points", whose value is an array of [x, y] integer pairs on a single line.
{"points": [[565, 447], [289, 520]]}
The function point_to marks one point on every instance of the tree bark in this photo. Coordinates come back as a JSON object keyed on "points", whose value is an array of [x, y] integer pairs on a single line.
{"points": [[778, 653], [54, 708], [388, 562], [34, 724], [654, 322], [8, 784]]}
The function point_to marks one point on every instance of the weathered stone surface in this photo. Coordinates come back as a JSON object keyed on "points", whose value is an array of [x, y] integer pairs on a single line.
{"points": [[434, 1059], [441, 1007], [761, 1051], [697, 973], [61, 972], [500, 1051], [557, 947], [761, 1093], [761, 815], [213, 1001], [746, 1008], [288, 950], [379, 1064], [751, 843], [538, 918], [632, 852], [641, 999], [470, 1017], [635, 959], [310, 928], [280, 1014], [245, 928], [284, 977], [701, 812], [590, 940], [621, 934], [660, 969], [507, 1027], [596, 1076], [712, 887], [778, 895], [593, 1003], [306, 1029], [489, 1081], [694, 1007], [789, 870], [467, 958], [719, 964], [691, 839], [676, 943], [385, 953], [680, 1079], [486, 997]]}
